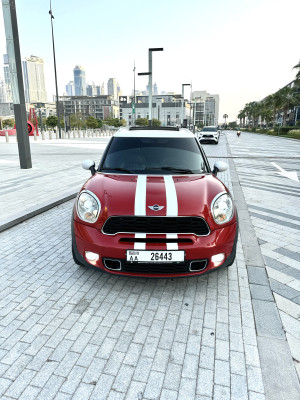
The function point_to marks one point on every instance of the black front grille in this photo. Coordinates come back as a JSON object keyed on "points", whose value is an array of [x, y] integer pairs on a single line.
{"points": [[192, 225], [141, 268]]}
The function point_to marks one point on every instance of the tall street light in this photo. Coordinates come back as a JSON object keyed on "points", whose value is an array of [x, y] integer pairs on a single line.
{"points": [[15, 69], [182, 101], [133, 104], [149, 73], [57, 104], [150, 81]]}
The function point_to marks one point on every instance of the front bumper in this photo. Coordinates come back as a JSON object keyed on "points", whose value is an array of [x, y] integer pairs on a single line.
{"points": [[208, 140], [112, 251]]}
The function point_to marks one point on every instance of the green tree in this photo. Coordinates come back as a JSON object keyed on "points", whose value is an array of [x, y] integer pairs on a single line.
{"points": [[116, 122], [91, 122], [52, 121], [225, 116], [100, 123], [156, 122], [297, 78], [241, 117], [77, 120], [8, 123], [142, 122]]}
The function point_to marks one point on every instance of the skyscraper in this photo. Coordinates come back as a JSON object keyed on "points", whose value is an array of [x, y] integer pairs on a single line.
{"points": [[7, 79], [70, 89], [2, 91], [112, 88], [91, 90], [79, 81], [34, 80]]}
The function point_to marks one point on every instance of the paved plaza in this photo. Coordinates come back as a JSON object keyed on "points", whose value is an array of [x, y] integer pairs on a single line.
{"points": [[69, 332]]}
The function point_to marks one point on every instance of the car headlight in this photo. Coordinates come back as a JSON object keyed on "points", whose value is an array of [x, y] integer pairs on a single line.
{"points": [[222, 208], [88, 207]]}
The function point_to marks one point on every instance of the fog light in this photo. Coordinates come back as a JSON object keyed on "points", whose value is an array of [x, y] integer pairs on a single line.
{"points": [[91, 257], [217, 259]]}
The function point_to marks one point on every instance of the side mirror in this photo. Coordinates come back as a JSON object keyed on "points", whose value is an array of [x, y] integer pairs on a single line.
{"points": [[89, 165], [219, 166]]}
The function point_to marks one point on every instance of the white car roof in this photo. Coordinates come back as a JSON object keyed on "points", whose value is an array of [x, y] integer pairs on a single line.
{"points": [[152, 133]]}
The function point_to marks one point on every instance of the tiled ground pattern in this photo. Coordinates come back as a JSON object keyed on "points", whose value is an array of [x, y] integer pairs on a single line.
{"points": [[273, 202]]}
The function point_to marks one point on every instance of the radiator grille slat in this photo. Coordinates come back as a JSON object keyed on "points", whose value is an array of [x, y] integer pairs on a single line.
{"points": [[180, 225]]}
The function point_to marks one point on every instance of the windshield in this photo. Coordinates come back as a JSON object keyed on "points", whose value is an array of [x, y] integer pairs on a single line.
{"points": [[154, 156], [209, 129]]}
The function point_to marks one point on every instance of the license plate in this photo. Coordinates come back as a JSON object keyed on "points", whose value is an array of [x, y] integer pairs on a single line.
{"points": [[150, 256]]}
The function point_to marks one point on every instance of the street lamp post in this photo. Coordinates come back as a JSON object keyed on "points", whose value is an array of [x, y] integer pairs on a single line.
{"points": [[15, 69], [57, 104], [182, 100], [149, 73], [150, 80], [133, 105]]}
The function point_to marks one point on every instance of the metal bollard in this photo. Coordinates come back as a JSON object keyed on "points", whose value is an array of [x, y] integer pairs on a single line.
{"points": [[92, 132], [43, 135], [34, 134], [57, 134], [6, 137], [83, 134], [69, 135]]}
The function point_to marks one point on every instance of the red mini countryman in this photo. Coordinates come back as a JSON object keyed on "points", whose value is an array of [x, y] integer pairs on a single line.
{"points": [[154, 208]]}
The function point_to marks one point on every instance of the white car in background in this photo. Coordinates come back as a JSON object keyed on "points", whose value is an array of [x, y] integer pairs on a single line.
{"points": [[209, 134]]}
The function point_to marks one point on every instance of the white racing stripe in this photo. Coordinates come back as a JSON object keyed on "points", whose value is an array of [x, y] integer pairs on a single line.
{"points": [[140, 207], [172, 207], [172, 203], [140, 195], [172, 246], [140, 246]]}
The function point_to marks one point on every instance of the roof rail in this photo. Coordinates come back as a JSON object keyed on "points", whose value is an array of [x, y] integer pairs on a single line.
{"points": [[154, 128]]}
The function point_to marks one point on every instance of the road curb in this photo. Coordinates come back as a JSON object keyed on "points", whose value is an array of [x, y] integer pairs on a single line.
{"points": [[278, 371], [36, 210]]}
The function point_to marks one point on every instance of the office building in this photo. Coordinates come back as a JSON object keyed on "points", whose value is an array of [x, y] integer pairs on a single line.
{"points": [[168, 109], [79, 81], [112, 89], [70, 89], [34, 80], [2, 91], [91, 90], [7, 82], [207, 107], [100, 107]]}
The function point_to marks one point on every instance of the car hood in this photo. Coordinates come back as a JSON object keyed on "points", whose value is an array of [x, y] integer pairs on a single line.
{"points": [[155, 195]]}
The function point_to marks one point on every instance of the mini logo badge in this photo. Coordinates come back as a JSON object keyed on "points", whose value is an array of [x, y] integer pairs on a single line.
{"points": [[156, 207]]}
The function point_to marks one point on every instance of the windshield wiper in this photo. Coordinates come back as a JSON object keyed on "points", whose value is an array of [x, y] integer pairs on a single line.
{"points": [[117, 169], [173, 169]]}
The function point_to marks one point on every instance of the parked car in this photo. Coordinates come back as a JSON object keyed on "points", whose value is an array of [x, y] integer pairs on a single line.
{"points": [[154, 208], [209, 134]]}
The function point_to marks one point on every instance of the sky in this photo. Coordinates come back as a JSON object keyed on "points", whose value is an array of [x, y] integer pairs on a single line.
{"points": [[242, 50]]}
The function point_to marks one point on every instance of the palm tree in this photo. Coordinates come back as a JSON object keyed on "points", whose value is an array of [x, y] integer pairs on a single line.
{"points": [[242, 116], [225, 116], [297, 78]]}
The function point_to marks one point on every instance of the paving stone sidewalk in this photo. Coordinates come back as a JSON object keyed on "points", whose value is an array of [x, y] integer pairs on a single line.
{"points": [[67, 332], [271, 201], [71, 332]]}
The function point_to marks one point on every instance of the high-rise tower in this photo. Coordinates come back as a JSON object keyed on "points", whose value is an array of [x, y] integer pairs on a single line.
{"points": [[112, 88], [34, 80], [79, 81]]}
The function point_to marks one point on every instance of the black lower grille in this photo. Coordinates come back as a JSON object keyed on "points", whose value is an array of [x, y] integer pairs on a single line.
{"points": [[187, 267], [131, 224], [155, 268]]}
